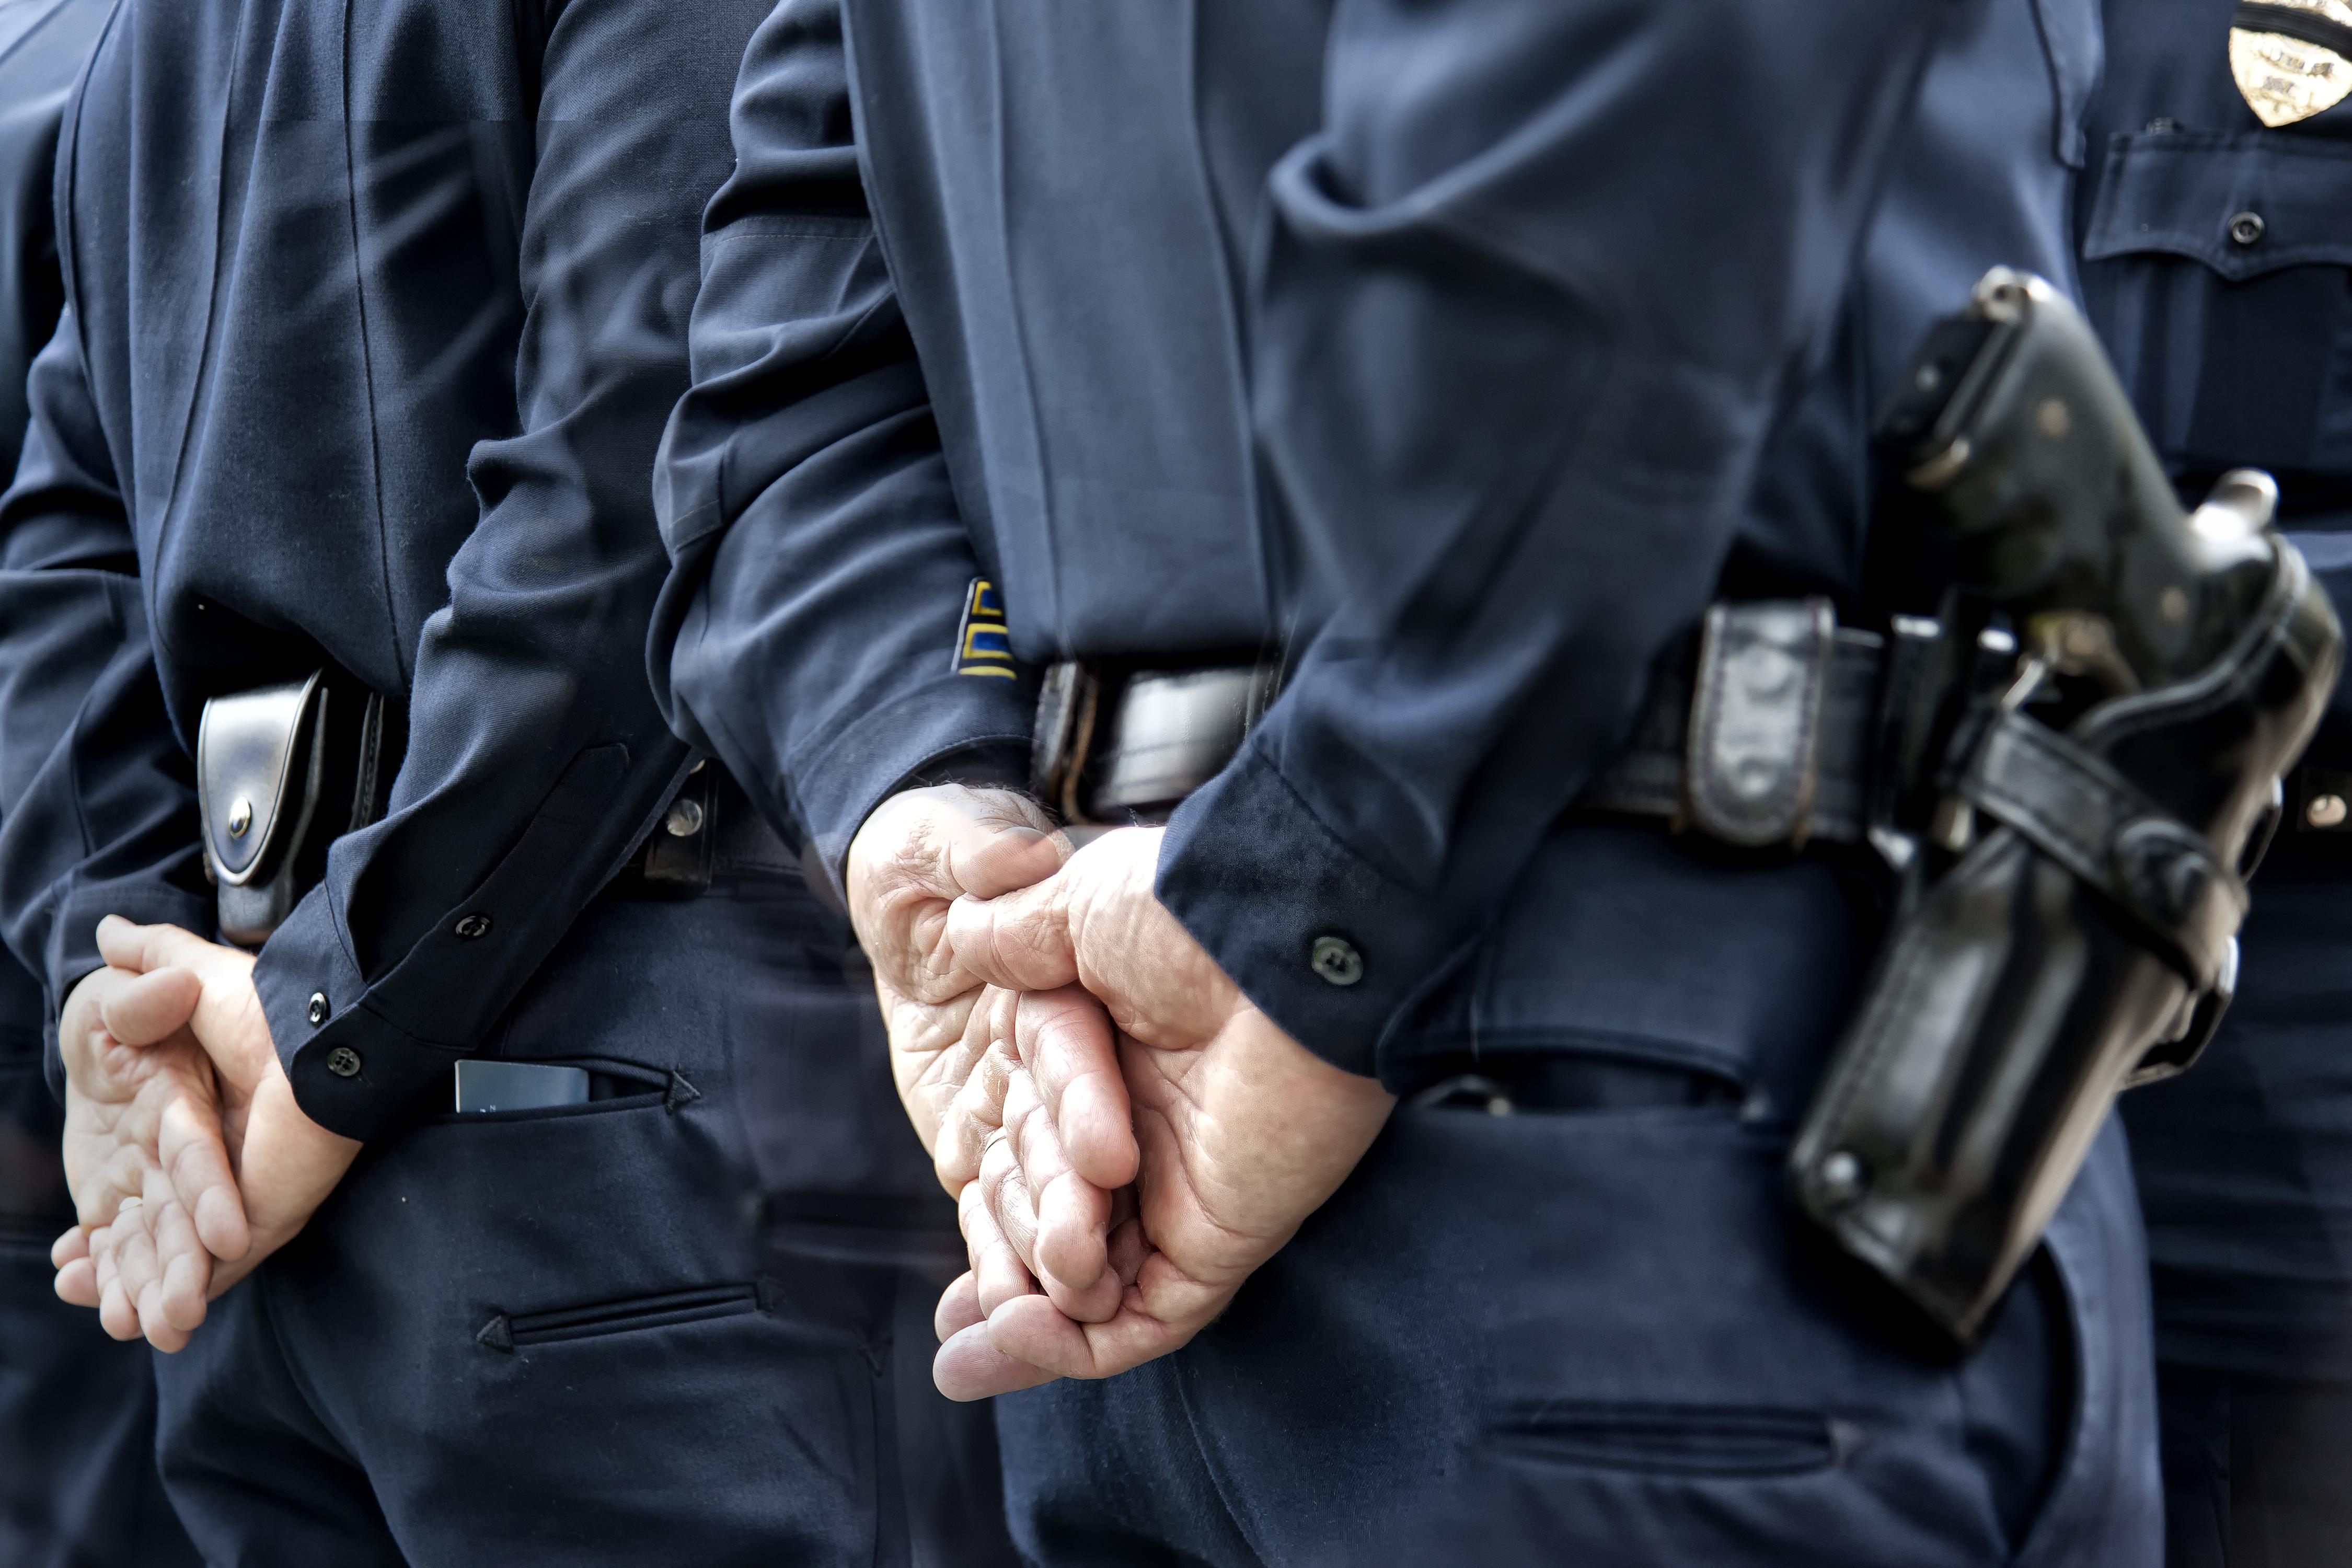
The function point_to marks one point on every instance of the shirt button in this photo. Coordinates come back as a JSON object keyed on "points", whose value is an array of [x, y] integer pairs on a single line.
{"points": [[2246, 228], [317, 1008], [344, 1062], [472, 926], [685, 818], [2325, 811], [1337, 961]]}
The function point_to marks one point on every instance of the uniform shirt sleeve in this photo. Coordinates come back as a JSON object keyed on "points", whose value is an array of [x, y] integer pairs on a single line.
{"points": [[1531, 300], [808, 633], [98, 812], [536, 756]]}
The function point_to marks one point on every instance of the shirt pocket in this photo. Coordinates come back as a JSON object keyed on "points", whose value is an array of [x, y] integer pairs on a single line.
{"points": [[2216, 265]]}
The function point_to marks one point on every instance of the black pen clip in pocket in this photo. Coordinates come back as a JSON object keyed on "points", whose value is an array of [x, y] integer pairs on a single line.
{"points": [[281, 773]]}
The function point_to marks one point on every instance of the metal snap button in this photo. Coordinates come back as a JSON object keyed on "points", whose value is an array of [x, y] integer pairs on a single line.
{"points": [[685, 818], [2326, 811], [2246, 228], [472, 926], [240, 816], [1843, 1178], [317, 1008], [344, 1062], [1337, 961]]}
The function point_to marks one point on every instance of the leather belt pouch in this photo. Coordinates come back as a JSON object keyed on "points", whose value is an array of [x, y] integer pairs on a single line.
{"points": [[281, 773]]}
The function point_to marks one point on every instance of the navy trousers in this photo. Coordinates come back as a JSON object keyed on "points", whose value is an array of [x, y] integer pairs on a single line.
{"points": [[2246, 1167], [1591, 1330], [688, 1323], [78, 1483]]}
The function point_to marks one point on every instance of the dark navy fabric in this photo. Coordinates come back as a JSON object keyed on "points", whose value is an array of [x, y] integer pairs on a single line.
{"points": [[675, 1325], [321, 261], [78, 1483], [326, 264], [975, 302], [78, 1487]]}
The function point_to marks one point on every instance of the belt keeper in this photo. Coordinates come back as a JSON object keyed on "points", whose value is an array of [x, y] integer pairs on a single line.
{"points": [[1753, 765], [1069, 701]]}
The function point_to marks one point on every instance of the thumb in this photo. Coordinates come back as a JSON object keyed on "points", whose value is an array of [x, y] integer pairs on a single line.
{"points": [[225, 1010], [1020, 940], [987, 857], [142, 949], [144, 1009]]}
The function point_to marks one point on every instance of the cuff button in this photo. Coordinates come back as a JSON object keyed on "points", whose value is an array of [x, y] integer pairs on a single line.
{"points": [[344, 1062], [473, 926], [317, 1008], [1337, 961]]}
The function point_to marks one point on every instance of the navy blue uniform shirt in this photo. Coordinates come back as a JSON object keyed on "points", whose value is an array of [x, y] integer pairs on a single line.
{"points": [[325, 265], [2235, 340], [1549, 317]]}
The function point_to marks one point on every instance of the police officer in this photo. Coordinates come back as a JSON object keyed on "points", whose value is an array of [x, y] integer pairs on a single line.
{"points": [[338, 471], [1556, 323], [78, 1481], [2215, 242]]}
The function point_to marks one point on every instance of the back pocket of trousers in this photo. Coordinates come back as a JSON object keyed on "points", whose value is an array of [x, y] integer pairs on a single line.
{"points": [[521, 1331], [1695, 1440]]}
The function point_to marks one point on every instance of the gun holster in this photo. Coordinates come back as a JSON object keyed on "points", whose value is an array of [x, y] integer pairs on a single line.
{"points": [[281, 773], [2079, 933]]}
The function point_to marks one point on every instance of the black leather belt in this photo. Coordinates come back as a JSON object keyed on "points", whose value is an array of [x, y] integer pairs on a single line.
{"points": [[1769, 734]]}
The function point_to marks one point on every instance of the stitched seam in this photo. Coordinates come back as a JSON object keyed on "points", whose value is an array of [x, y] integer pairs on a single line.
{"points": [[367, 357]]}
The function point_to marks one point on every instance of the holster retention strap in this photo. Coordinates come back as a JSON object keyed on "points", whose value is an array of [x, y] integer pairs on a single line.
{"points": [[2083, 814]]}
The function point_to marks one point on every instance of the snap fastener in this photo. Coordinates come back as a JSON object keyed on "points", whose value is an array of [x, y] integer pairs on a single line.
{"points": [[240, 816], [317, 1008], [2246, 228], [2326, 811], [344, 1062], [472, 926], [684, 820], [1842, 1178], [1337, 961]]}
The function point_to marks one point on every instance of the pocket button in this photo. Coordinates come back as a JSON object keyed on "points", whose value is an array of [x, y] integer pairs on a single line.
{"points": [[2247, 229]]}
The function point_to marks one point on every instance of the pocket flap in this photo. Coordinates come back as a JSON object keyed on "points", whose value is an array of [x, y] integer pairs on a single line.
{"points": [[2243, 202], [247, 750]]}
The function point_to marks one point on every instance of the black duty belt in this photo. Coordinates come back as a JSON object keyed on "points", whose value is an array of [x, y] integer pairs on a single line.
{"points": [[1766, 736]]}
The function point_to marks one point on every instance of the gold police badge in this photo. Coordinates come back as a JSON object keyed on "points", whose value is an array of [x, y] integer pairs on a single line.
{"points": [[2292, 59]]}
